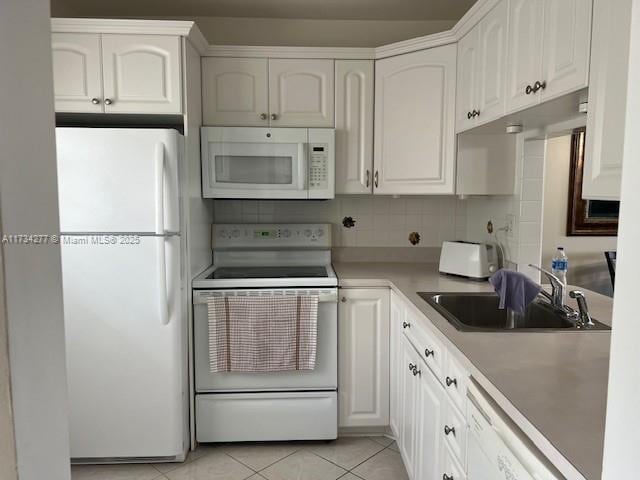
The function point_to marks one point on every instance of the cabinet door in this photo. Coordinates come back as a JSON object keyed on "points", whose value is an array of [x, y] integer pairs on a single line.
{"points": [[467, 80], [364, 357], [492, 67], [409, 392], [142, 74], [77, 72], [354, 126], [397, 316], [524, 65], [234, 91], [567, 39], [607, 100], [431, 404], [414, 150], [301, 93]]}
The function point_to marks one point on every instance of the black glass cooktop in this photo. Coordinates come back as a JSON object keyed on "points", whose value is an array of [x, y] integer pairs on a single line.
{"points": [[268, 272]]}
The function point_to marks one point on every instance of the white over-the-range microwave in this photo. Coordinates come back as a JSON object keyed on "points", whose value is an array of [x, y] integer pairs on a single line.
{"points": [[268, 163]]}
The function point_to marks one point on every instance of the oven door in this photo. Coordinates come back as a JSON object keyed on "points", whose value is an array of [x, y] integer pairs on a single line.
{"points": [[323, 377], [254, 162]]}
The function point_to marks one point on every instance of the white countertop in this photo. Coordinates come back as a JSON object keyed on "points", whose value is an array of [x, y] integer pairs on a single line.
{"points": [[552, 384]]}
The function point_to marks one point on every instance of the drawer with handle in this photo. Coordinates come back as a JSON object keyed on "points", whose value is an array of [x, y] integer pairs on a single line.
{"points": [[455, 382], [430, 349], [454, 430], [451, 469]]}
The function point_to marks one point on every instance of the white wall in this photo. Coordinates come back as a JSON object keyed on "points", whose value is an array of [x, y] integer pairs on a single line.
{"points": [[587, 264], [622, 434], [380, 221], [28, 204], [311, 32]]}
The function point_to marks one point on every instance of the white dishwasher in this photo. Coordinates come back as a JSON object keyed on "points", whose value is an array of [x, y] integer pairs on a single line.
{"points": [[496, 449]]}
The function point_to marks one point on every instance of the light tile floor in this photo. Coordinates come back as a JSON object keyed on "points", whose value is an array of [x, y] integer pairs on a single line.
{"points": [[348, 458]]}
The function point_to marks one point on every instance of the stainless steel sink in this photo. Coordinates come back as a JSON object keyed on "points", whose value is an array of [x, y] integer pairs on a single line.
{"points": [[479, 312]]}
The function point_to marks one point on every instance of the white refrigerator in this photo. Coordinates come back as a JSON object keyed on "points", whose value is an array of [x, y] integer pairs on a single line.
{"points": [[123, 284]]}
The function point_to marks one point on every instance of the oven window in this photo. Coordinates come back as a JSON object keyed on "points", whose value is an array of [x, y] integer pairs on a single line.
{"points": [[264, 170]]}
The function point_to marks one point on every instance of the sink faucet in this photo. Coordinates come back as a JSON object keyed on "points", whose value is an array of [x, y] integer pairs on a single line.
{"points": [[556, 299], [557, 288], [585, 318]]}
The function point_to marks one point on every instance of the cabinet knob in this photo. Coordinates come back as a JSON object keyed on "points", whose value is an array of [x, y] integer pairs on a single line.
{"points": [[274, 116], [528, 90], [476, 113], [411, 367], [448, 430], [108, 101], [95, 101], [415, 371], [406, 325], [263, 116], [469, 115], [368, 178], [539, 86], [375, 179], [343, 299], [447, 477], [451, 381], [428, 353]]}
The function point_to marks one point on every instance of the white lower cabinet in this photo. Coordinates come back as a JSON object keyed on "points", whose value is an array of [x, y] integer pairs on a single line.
{"points": [[427, 416], [397, 317], [363, 374], [408, 393]]}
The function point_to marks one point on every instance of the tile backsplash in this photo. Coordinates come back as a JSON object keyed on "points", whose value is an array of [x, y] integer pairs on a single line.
{"points": [[379, 221]]}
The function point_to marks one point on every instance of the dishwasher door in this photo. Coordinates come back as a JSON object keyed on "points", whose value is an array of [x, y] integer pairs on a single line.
{"points": [[497, 449]]}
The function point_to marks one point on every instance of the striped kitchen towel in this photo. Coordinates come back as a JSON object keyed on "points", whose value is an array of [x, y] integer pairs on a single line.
{"points": [[262, 334]]}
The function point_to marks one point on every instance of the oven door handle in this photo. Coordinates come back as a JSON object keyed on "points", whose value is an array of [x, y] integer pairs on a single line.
{"points": [[203, 297]]}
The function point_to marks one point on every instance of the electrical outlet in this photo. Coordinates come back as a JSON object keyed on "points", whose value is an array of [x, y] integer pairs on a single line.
{"points": [[510, 220]]}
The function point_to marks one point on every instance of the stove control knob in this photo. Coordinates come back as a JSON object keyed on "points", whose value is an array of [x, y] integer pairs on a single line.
{"points": [[222, 233], [286, 233], [235, 233], [307, 233], [320, 233]]}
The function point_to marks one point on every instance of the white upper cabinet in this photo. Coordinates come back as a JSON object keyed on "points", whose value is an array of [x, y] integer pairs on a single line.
{"points": [[354, 126], [414, 140], [492, 63], [607, 100], [112, 73], [466, 95], [142, 74], [549, 44], [235, 91], [301, 92], [77, 72], [567, 41], [524, 53], [364, 357], [482, 69]]}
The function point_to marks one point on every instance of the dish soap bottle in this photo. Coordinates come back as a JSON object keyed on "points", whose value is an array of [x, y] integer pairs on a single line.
{"points": [[560, 266]]}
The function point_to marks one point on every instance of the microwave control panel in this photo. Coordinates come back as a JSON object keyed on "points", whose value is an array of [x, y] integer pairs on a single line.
{"points": [[318, 166]]}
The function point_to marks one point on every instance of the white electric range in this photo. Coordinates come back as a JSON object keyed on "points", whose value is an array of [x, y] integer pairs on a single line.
{"points": [[261, 260]]}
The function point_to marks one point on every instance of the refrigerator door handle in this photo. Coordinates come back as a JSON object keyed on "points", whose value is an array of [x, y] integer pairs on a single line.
{"points": [[163, 300], [159, 188]]}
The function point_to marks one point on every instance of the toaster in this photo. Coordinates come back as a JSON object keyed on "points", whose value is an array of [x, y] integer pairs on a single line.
{"points": [[476, 261]]}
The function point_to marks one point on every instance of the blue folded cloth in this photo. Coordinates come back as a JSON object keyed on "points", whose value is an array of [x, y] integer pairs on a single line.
{"points": [[516, 290]]}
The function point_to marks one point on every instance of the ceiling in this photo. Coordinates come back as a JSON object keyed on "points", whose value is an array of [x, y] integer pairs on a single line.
{"points": [[313, 9]]}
